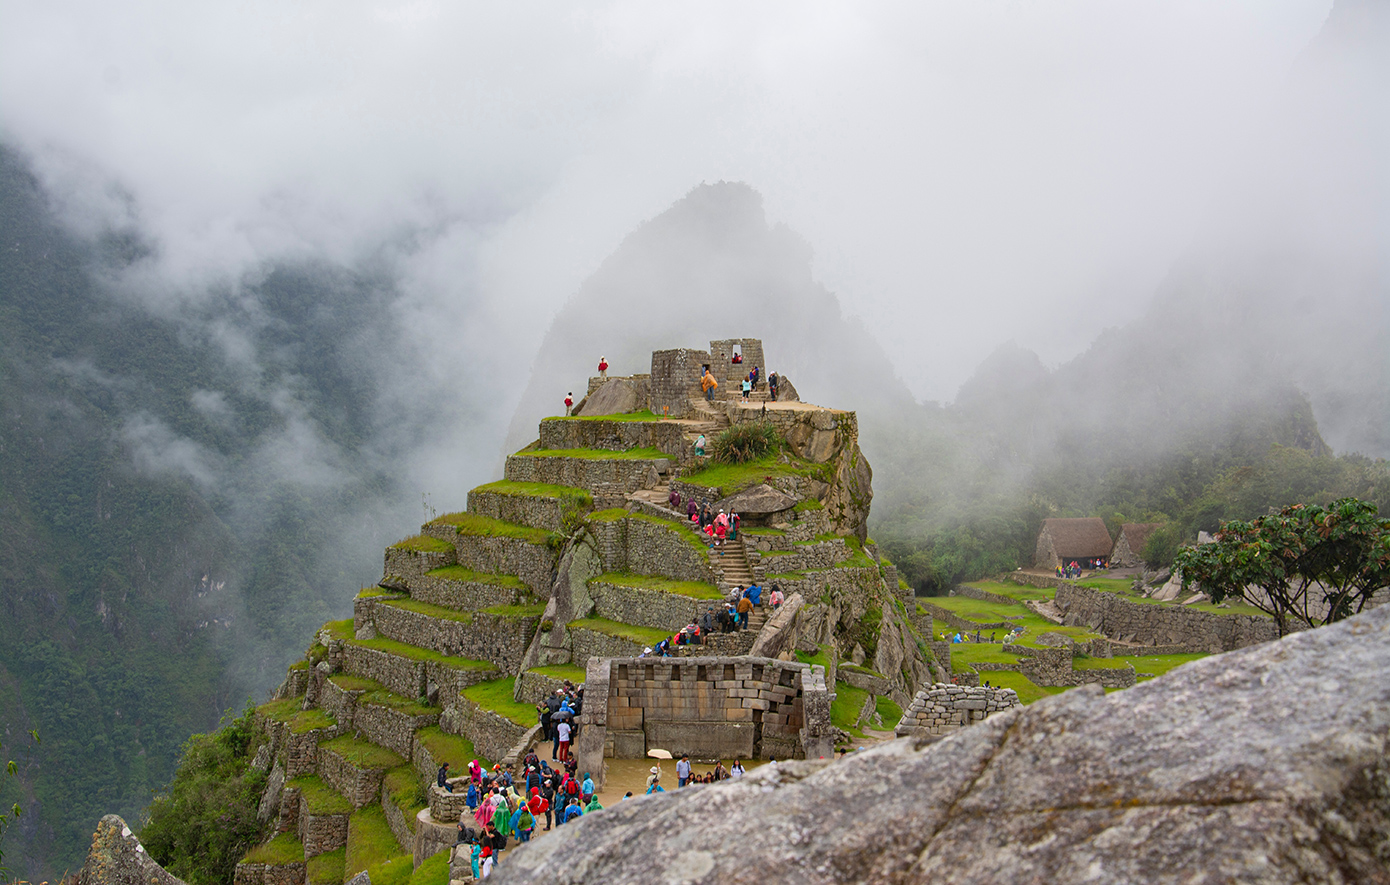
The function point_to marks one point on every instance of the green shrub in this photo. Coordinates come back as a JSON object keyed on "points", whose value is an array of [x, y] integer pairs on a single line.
{"points": [[743, 443], [206, 820]]}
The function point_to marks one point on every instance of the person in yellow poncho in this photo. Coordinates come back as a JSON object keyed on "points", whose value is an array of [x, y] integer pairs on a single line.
{"points": [[708, 385]]}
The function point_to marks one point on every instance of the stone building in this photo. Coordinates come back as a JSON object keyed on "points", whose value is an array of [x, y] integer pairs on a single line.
{"points": [[1063, 541], [1129, 546]]}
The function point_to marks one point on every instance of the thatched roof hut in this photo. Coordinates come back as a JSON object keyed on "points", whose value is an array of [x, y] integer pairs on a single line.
{"points": [[1064, 540], [1129, 546]]}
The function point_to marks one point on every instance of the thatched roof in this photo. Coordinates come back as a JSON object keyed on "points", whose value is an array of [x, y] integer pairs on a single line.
{"points": [[1083, 538], [1136, 534]]}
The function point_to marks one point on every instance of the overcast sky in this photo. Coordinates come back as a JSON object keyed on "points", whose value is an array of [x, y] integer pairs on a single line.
{"points": [[966, 172]]}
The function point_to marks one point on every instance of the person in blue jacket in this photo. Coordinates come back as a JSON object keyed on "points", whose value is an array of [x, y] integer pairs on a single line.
{"points": [[573, 810]]}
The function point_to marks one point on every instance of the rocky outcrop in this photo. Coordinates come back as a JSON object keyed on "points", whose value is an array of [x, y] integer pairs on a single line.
{"points": [[760, 500], [1267, 764], [118, 858], [614, 397]]}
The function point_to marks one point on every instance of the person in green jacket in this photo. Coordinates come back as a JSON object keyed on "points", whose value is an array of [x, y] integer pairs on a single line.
{"points": [[593, 806]]}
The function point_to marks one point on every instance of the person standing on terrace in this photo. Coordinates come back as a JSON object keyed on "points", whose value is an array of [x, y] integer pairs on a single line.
{"points": [[708, 385]]}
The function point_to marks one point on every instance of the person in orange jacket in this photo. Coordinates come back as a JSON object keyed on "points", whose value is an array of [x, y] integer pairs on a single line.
{"points": [[708, 385]]}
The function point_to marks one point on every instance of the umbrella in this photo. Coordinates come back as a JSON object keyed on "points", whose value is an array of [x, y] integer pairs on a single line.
{"points": [[561, 714], [659, 754]]}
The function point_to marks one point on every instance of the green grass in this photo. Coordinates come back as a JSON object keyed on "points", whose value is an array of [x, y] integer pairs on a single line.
{"points": [[1156, 665], [385, 698], [993, 612], [395, 871], [282, 710], [496, 695], [339, 629], [283, 849], [308, 720], [1231, 607], [414, 653], [823, 656], [431, 611], [641, 415], [888, 711], [319, 796], [1013, 591], [455, 749], [362, 754], [577, 496], [348, 682], [858, 669], [373, 592], [1027, 691], [1109, 585], [562, 671], [370, 840], [758, 530], [533, 610], [423, 544], [808, 504], [433, 870], [966, 653], [327, 868], [844, 710], [692, 589], [612, 514], [732, 478], [641, 454], [630, 632], [467, 575], [474, 524], [405, 789]]}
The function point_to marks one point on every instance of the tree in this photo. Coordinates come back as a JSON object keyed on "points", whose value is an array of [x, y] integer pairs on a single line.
{"points": [[7, 818], [1305, 565]]}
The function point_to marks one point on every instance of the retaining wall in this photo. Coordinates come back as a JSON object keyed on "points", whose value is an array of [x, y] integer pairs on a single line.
{"points": [[534, 564], [616, 436], [646, 608], [1154, 624], [537, 511], [644, 547], [486, 637], [942, 708], [624, 475], [492, 735]]}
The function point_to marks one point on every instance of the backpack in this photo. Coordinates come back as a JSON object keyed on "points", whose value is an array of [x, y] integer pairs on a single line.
{"points": [[571, 788], [467, 835]]}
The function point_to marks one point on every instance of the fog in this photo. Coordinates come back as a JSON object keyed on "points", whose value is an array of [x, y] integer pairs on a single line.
{"points": [[991, 171], [962, 175]]}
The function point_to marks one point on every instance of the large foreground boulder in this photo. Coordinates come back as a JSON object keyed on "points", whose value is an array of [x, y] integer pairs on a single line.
{"points": [[117, 858], [1265, 765]]}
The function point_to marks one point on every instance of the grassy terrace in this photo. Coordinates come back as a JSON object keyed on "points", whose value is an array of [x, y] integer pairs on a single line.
{"points": [[1020, 592], [363, 754], [888, 711], [571, 494], [339, 629], [496, 695], [612, 514], [378, 695], [562, 671], [642, 415], [823, 656], [642, 454], [300, 721], [400, 649], [455, 749], [283, 849], [473, 524], [1027, 691], [468, 576], [994, 612], [404, 788], [326, 868], [1154, 665], [423, 544], [763, 532], [692, 589], [374, 592], [630, 632], [844, 710], [731, 478], [466, 617], [319, 796], [370, 840]]}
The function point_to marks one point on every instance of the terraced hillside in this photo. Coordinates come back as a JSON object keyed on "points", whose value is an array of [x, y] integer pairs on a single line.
{"points": [[1058, 640], [576, 553]]}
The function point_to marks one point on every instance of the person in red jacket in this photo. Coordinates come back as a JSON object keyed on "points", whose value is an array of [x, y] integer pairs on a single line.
{"points": [[569, 402], [603, 367]]}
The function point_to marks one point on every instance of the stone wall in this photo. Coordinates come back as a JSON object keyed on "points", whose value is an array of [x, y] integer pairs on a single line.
{"points": [[268, 874], [803, 557], [396, 820], [643, 546], [708, 706], [492, 735], [360, 786], [1153, 624], [983, 595], [301, 751], [485, 637], [623, 475], [721, 355], [537, 511], [1054, 666], [406, 563], [956, 621], [464, 596], [615, 436], [675, 379], [645, 608], [321, 833], [402, 676], [534, 564], [533, 687], [390, 728], [588, 644], [941, 708]]}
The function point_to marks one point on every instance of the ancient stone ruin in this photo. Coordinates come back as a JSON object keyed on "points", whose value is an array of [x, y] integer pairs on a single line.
{"points": [[942, 709]]}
